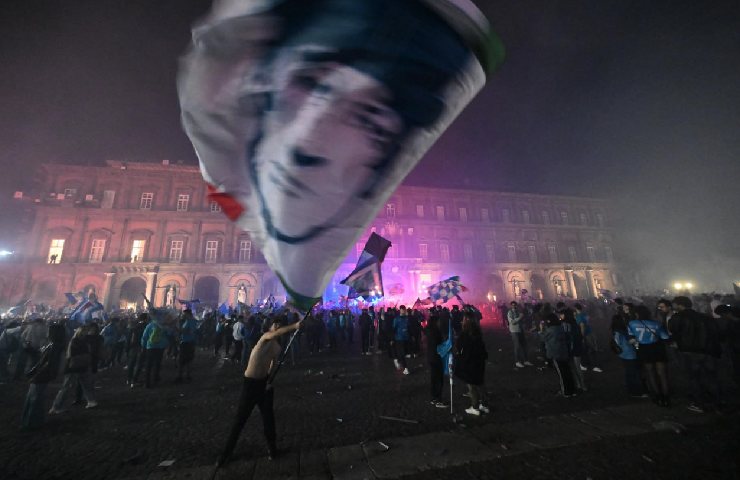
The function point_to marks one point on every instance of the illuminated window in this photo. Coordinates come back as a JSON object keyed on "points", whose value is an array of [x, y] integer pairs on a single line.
{"points": [[463, 214], [505, 215], [176, 250], [96, 250], [600, 219], [70, 192], [490, 252], [440, 212], [553, 251], [211, 251], [511, 250], [146, 201], [55, 250], [137, 250], [546, 217], [390, 210], [468, 252], [525, 216], [584, 219], [573, 254], [245, 251], [423, 250], [109, 197], [183, 200], [411, 231], [444, 252], [532, 253], [215, 207], [485, 216], [591, 252], [564, 218], [420, 211], [609, 254]]}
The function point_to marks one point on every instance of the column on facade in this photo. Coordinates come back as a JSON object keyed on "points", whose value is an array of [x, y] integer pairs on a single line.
{"points": [[106, 293], [571, 283], [161, 252], [191, 281], [590, 282], [81, 240], [123, 256], [151, 283]]}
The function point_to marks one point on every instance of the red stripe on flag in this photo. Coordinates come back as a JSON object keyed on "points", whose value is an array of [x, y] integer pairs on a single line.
{"points": [[230, 205]]}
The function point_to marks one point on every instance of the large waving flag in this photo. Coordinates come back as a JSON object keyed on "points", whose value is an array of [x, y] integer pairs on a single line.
{"points": [[83, 313], [446, 290], [189, 304], [307, 115], [366, 279]]}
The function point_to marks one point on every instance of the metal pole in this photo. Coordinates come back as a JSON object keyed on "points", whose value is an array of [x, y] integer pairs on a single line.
{"points": [[281, 360]]}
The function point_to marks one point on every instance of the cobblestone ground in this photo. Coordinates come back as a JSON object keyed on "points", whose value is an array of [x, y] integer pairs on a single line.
{"points": [[336, 398]]}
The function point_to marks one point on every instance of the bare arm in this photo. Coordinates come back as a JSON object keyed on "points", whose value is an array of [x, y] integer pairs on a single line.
{"points": [[269, 335]]}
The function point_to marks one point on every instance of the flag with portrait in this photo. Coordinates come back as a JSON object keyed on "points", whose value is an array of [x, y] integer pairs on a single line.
{"points": [[305, 116]]}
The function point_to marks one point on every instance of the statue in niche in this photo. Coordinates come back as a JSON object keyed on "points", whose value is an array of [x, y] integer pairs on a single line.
{"points": [[241, 294], [169, 300]]}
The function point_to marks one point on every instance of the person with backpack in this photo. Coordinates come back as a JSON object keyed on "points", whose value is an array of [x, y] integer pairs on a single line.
{"points": [[154, 341], [697, 339]]}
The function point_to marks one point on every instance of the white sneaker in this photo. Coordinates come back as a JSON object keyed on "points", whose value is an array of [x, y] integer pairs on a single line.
{"points": [[519, 365], [54, 411], [398, 365], [408, 355], [406, 371], [484, 409], [529, 364], [584, 369], [472, 411], [92, 404], [597, 370]]}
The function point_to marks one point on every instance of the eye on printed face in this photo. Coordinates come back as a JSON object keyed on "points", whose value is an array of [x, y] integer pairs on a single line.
{"points": [[329, 128]]}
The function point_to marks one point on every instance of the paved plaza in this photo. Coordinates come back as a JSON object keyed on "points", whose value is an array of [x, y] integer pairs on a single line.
{"points": [[342, 415]]}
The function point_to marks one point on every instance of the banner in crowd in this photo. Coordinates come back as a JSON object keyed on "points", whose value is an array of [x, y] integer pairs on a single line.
{"points": [[306, 115], [446, 290], [366, 279]]}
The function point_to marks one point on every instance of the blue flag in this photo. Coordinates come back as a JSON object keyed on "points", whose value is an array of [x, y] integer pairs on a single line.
{"points": [[446, 290], [223, 309], [366, 280]]}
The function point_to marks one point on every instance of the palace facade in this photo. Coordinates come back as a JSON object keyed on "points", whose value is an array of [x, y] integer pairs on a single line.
{"points": [[131, 227]]}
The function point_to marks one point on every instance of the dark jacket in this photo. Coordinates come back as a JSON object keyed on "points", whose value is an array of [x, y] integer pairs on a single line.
{"points": [[433, 338], [48, 365], [78, 347], [695, 332], [556, 343], [470, 359]]}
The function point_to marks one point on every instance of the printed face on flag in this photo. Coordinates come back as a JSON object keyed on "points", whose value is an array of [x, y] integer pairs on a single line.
{"points": [[323, 142]]}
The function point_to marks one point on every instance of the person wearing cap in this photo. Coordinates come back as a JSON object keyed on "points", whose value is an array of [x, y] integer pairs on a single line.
{"points": [[257, 389]]}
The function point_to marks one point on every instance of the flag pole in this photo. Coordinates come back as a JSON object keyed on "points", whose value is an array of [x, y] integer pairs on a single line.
{"points": [[284, 354]]}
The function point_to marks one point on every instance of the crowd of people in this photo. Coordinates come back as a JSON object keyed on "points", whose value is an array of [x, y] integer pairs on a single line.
{"points": [[649, 337]]}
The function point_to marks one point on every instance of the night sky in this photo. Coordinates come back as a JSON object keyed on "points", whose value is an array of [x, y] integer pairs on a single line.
{"points": [[636, 101]]}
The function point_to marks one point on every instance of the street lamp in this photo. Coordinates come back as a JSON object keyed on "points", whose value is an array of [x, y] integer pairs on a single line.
{"points": [[678, 286]]}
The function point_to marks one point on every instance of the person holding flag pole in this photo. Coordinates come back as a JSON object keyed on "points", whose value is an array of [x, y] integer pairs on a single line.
{"points": [[265, 361]]}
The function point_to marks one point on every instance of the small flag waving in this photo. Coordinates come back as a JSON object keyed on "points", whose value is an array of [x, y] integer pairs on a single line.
{"points": [[446, 290], [366, 279], [306, 116]]}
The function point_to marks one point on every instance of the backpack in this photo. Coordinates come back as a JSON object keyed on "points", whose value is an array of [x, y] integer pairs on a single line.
{"points": [[156, 336]]}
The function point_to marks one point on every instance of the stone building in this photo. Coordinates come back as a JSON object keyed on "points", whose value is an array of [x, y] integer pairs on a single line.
{"points": [[128, 228]]}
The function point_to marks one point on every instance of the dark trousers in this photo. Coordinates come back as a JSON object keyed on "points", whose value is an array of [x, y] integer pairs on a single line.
{"points": [[401, 352], [436, 376], [633, 378], [703, 377], [153, 364], [365, 340], [567, 385], [237, 355], [132, 372], [34, 409], [254, 392]]}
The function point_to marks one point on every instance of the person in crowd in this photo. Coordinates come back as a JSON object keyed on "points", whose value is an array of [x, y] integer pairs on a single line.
{"points": [[33, 337], [228, 337], [414, 344], [349, 325], [110, 336], [590, 345], [136, 354], [556, 344], [257, 389], [237, 333], [648, 337], [10, 345], [697, 339], [41, 375], [188, 327], [366, 327], [628, 355], [436, 367], [218, 339], [470, 356], [155, 341], [515, 319], [78, 363], [731, 318], [575, 345], [332, 329], [665, 313], [401, 339]]}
